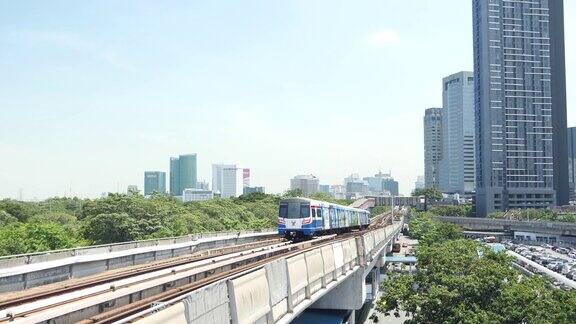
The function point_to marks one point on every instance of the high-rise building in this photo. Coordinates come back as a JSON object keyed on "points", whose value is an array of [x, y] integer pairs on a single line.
{"points": [[382, 183], [419, 184], [183, 173], [202, 185], [154, 181], [324, 188], [229, 180], [457, 165], [520, 104], [245, 177], [307, 183], [572, 162], [132, 190], [195, 194], [432, 147]]}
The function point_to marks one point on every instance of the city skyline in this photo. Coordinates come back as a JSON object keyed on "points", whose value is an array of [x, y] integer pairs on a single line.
{"points": [[91, 124]]}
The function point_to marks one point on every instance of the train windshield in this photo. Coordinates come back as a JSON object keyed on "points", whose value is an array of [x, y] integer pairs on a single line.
{"points": [[294, 210]]}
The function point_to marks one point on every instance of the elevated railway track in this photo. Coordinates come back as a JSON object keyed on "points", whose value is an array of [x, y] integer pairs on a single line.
{"points": [[124, 293]]}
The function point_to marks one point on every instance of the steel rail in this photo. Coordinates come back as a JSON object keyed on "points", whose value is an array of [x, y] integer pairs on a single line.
{"points": [[59, 289], [120, 313]]}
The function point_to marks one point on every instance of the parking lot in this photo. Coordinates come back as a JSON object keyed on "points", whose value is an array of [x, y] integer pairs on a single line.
{"points": [[558, 259]]}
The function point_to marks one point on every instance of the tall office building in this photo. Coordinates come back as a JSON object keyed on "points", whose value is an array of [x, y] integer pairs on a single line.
{"points": [[154, 181], [217, 174], [457, 164], [183, 173], [572, 162], [307, 183], [432, 147], [520, 89], [382, 182], [228, 180]]}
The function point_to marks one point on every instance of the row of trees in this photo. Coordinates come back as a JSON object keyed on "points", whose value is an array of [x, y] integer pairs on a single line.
{"points": [[461, 281], [59, 223], [67, 222]]}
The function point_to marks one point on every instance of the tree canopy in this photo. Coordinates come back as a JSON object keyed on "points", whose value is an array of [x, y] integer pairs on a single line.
{"points": [[461, 281], [59, 223]]}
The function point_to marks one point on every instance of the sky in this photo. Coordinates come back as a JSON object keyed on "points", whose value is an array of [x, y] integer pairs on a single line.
{"points": [[95, 92]]}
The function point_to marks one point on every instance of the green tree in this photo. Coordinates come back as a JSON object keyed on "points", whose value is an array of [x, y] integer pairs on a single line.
{"points": [[430, 195], [294, 193], [452, 210], [18, 238], [461, 281], [111, 228], [6, 219]]}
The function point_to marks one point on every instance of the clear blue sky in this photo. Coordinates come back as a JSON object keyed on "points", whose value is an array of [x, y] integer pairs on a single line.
{"points": [[93, 93]]}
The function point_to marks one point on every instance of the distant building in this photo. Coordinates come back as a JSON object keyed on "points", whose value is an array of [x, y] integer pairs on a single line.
{"points": [[194, 194], [245, 177], [202, 185], [249, 190], [307, 183], [183, 173], [432, 147], [355, 186], [132, 190], [381, 183], [217, 171], [457, 174], [338, 191], [227, 180], [324, 188], [520, 105], [572, 162], [419, 184], [154, 181]]}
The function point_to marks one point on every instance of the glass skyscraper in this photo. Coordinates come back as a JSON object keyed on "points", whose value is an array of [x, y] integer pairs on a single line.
{"points": [[154, 181], [183, 173], [520, 92], [572, 162], [432, 147], [457, 174]]}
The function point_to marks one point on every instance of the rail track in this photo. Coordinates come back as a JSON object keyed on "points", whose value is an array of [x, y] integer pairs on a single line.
{"points": [[105, 300], [121, 293], [20, 305], [131, 309]]}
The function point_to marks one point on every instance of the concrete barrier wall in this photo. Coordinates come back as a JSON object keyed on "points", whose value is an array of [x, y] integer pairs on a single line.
{"points": [[9, 261], [283, 288], [250, 298], [473, 223], [46, 268]]}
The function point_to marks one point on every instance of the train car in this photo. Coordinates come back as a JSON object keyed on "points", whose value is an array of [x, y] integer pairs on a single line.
{"points": [[301, 218]]}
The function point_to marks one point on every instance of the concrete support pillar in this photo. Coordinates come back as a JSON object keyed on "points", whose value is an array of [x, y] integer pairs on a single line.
{"points": [[352, 317]]}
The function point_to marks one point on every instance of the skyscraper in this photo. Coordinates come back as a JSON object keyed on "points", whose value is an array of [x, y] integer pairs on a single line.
{"points": [[382, 182], [572, 162], [457, 164], [432, 146], [307, 183], [183, 173], [217, 176], [520, 92], [154, 181]]}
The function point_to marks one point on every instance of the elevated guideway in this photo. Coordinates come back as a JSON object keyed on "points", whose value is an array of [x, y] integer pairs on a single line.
{"points": [[216, 279], [19, 272], [329, 276]]}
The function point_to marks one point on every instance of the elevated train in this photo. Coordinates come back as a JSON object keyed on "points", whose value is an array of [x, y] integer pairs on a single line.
{"points": [[302, 218]]}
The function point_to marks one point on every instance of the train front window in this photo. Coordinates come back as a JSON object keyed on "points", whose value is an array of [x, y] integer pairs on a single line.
{"points": [[283, 211], [294, 210], [304, 211]]}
